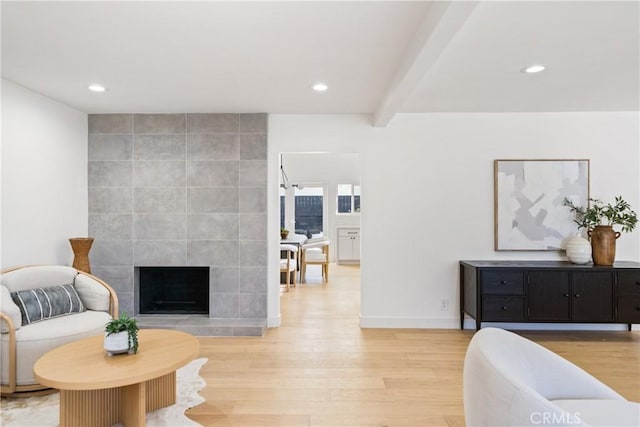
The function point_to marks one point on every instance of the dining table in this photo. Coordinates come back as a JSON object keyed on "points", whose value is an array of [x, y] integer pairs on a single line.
{"points": [[294, 239]]}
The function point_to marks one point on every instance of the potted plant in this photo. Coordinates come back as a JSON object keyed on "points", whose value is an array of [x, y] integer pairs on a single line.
{"points": [[598, 219], [121, 335], [284, 233]]}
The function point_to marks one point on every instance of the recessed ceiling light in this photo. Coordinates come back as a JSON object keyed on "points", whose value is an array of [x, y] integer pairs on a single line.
{"points": [[534, 69], [97, 88], [320, 87]]}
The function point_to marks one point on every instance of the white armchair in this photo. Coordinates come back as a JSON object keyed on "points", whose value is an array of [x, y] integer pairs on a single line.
{"points": [[24, 338], [512, 381]]}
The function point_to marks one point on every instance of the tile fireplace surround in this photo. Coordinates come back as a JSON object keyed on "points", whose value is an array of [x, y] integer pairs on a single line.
{"points": [[183, 190]]}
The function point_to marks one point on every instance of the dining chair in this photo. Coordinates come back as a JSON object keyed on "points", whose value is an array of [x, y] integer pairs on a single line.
{"points": [[315, 252], [289, 264]]}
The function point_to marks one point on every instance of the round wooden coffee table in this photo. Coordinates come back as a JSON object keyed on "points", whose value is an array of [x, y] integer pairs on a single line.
{"points": [[98, 390]]}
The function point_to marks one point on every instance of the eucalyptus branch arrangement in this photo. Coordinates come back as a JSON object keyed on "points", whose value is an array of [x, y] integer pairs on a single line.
{"points": [[619, 213]]}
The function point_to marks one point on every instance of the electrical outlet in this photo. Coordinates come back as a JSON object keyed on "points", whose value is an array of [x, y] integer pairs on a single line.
{"points": [[444, 304]]}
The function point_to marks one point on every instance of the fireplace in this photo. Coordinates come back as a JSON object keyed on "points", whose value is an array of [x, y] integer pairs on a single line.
{"points": [[174, 290]]}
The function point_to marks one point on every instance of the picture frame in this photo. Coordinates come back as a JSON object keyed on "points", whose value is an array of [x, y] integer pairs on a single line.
{"points": [[529, 194]]}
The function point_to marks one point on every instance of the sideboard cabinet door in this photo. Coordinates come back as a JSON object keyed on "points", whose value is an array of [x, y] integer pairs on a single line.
{"points": [[592, 296], [548, 295]]}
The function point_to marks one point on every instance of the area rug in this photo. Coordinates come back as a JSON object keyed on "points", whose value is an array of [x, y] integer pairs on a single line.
{"points": [[42, 411]]}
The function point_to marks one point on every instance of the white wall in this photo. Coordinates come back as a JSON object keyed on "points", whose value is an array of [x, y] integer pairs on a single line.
{"points": [[343, 168], [410, 256], [44, 178]]}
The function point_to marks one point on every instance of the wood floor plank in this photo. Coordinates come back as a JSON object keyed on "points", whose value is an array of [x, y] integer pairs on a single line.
{"points": [[321, 369], [300, 382], [266, 394], [375, 420], [252, 420]]}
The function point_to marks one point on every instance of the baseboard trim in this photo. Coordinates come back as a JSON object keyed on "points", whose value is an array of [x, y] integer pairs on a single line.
{"points": [[274, 322], [408, 323]]}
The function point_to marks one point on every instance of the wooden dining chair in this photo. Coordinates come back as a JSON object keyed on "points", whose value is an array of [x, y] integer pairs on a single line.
{"points": [[315, 252], [289, 264]]}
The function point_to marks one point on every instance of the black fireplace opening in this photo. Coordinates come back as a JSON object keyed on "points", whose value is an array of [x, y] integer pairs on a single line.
{"points": [[174, 290]]}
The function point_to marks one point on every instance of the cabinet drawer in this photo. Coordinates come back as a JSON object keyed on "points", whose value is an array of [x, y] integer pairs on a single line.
{"points": [[629, 309], [629, 283], [502, 282], [348, 232], [503, 308]]}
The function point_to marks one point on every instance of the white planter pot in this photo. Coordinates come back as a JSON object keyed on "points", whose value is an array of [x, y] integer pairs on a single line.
{"points": [[117, 343], [578, 250]]}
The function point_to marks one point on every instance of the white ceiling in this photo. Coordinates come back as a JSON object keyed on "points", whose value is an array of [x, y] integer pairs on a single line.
{"points": [[377, 57]]}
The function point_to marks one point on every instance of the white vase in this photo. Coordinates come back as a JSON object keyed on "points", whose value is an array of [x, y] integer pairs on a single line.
{"points": [[116, 343], [578, 250]]}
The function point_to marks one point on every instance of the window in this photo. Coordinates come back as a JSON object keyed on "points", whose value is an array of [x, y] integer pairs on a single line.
{"points": [[309, 210], [348, 198]]}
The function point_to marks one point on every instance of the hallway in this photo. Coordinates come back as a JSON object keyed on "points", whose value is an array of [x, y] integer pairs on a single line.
{"points": [[336, 302]]}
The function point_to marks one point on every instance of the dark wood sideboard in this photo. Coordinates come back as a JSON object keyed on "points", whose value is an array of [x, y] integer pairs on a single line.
{"points": [[549, 291]]}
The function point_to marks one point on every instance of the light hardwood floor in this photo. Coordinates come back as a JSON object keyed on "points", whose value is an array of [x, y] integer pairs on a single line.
{"points": [[320, 369]]}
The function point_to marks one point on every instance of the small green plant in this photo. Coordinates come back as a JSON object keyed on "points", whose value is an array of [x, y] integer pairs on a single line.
{"points": [[283, 230], [122, 324], [619, 213]]}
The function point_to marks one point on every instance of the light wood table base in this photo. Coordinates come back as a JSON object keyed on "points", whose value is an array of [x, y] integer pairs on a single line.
{"points": [[127, 404]]}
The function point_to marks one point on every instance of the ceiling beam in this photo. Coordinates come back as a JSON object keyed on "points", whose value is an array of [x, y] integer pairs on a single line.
{"points": [[441, 23]]}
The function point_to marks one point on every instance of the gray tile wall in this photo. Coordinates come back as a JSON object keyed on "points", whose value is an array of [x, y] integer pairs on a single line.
{"points": [[181, 190]]}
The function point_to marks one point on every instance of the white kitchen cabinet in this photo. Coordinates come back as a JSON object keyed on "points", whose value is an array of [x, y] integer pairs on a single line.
{"points": [[348, 245]]}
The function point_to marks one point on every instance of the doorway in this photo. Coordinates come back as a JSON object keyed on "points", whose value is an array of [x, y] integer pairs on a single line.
{"points": [[321, 196]]}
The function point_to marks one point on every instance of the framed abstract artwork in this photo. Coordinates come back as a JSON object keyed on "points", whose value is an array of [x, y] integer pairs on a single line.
{"points": [[529, 213]]}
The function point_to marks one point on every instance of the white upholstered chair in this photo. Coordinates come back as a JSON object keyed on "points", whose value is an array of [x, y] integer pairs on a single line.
{"points": [[25, 338], [289, 264], [315, 251], [512, 381]]}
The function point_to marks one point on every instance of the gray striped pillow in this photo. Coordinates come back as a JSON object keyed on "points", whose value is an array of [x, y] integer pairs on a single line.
{"points": [[44, 303]]}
